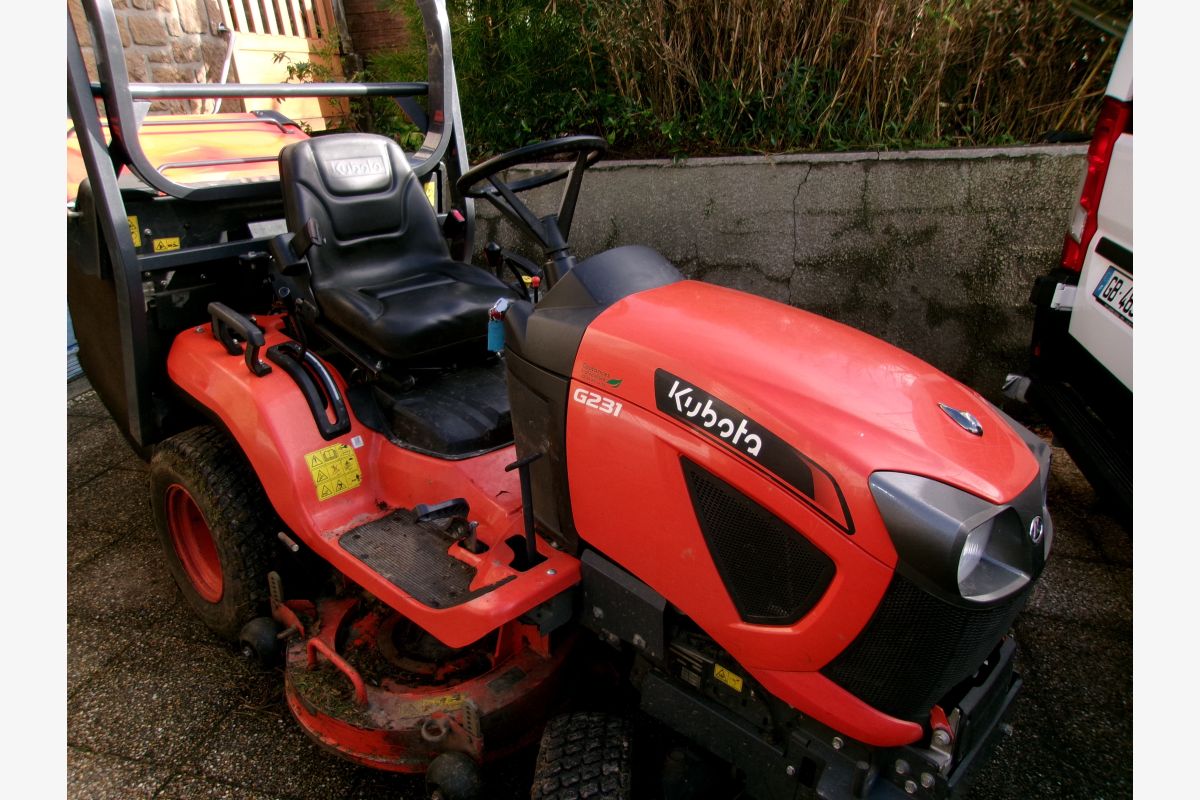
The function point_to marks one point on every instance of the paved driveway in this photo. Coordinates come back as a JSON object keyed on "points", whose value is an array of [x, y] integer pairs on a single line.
{"points": [[157, 708]]}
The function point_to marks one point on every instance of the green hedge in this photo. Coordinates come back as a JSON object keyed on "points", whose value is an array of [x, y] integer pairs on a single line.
{"points": [[709, 77]]}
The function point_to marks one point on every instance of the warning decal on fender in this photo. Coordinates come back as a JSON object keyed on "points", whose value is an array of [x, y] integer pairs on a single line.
{"points": [[334, 470]]}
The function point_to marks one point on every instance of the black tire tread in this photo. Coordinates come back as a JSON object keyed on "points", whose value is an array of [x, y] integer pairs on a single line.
{"points": [[584, 756], [215, 471]]}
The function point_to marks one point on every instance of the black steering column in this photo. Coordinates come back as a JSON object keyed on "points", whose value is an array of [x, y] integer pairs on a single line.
{"points": [[553, 230]]}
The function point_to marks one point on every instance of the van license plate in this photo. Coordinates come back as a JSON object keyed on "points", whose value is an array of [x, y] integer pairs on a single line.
{"points": [[1115, 292]]}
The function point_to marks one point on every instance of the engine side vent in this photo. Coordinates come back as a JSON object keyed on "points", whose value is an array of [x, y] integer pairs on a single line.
{"points": [[773, 574], [917, 647]]}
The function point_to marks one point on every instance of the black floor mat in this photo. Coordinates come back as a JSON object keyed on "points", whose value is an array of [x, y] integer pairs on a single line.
{"points": [[413, 557]]}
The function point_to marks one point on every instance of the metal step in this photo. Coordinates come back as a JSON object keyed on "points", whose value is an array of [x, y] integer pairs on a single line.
{"points": [[413, 557]]}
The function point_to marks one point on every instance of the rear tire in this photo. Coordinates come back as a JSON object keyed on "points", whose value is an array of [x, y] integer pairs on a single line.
{"points": [[584, 756], [216, 527]]}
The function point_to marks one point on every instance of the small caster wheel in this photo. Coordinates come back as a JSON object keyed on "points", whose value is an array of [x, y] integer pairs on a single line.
{"points": [[453, 776], [260, 641]]}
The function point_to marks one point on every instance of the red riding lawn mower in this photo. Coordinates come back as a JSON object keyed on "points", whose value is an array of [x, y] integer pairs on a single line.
{"points": [[469, 507]]}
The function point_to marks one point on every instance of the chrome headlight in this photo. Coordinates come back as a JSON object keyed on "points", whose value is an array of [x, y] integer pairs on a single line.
{"points": [[973, 551], [959, 545]]}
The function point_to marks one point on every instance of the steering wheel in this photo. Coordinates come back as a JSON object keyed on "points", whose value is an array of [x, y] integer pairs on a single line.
{"points": [[553, 230]]}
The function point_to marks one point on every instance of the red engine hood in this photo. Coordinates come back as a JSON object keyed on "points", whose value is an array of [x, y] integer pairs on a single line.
{"points": [[850, 403]]}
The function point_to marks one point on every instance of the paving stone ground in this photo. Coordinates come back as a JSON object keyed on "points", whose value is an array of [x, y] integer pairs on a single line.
{"points": [[158, 708]]}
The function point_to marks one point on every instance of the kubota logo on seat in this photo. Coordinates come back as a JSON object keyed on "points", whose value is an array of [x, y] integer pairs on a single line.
{"points": [[352, 167]]}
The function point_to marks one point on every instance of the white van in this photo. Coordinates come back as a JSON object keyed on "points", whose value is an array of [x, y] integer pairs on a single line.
{"points": [[1081, 374]]}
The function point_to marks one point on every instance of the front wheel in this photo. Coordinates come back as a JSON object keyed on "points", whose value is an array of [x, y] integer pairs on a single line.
{"points": [[585, 755], [215, 525]]}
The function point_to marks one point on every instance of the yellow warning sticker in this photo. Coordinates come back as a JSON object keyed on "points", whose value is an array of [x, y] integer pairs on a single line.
{"points": [[135, 232], [445, 703], [431, 191], [334, 470], [167, 244], [728, 678]]}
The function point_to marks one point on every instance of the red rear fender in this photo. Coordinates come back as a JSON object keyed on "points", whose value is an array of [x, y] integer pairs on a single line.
{"points": [[322, 489]]}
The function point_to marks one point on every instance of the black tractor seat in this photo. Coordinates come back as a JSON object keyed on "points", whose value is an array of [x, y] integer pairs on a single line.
{"points": [[379, 270]]}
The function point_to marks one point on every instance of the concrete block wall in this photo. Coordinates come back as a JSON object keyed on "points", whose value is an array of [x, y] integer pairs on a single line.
{"points": [[166, 41], [933, 251]]}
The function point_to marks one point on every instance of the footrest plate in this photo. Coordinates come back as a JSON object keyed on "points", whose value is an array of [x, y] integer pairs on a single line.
{"points": [[413, 557]]}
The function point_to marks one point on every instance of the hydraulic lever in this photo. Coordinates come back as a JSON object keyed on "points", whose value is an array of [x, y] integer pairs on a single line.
{"points": [[522, 466]]}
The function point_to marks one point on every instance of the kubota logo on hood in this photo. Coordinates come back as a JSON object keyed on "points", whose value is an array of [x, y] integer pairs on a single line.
{"points": [[702, 411], [698, 408]]}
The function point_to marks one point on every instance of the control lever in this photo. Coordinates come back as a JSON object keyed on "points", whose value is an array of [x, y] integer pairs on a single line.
{"points": [[455, 225], [231, 329], [522, 465], [495, 257], [528, 273], [455, 510], [458, 507]]}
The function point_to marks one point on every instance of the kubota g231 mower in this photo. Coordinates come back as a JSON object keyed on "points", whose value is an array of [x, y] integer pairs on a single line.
{"points": [[428, 490]]}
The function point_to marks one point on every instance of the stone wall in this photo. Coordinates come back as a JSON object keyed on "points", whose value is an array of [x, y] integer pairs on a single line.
{"points": [[933, 251], [166, 41]]}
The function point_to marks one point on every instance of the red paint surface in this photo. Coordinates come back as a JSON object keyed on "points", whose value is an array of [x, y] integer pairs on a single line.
{"points": [[271, 422], [512, 699], [847, 401]]}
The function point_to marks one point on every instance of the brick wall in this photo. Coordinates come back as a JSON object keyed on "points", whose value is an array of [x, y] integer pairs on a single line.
{"points": [[166, 41], [373, 28]]}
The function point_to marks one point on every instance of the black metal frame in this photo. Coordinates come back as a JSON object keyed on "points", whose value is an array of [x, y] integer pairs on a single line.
{"points": [[443, 145]]}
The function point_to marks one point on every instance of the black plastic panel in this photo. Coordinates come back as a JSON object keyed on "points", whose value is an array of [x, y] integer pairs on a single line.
{"points": [[1115, 253], [452, 414], [539, 420], [724, 734], [550, 337], [917, 647], [616, 602], [774, 574]]}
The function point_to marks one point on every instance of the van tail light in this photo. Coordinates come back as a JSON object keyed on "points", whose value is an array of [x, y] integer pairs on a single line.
{"points": [[1116, 117]]}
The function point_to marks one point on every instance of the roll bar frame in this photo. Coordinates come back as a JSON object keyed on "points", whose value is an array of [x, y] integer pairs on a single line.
{"points": [[442, 144]]}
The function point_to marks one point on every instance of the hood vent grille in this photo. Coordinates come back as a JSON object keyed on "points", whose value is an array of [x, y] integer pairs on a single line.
{"points": [[773, 574]]}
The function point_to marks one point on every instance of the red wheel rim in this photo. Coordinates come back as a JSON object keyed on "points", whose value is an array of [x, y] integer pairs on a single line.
{"points": [[194, 544]]}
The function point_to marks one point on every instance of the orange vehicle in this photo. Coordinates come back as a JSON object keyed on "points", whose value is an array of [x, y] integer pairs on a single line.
{"points": [[474, 507], [201, 148]]}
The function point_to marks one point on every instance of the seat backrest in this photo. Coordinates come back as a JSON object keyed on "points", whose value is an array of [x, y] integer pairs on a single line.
{"points": [[371, 211]]}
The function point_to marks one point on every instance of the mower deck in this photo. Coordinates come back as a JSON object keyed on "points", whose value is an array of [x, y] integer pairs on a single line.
{"points": [[375, 689]]}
